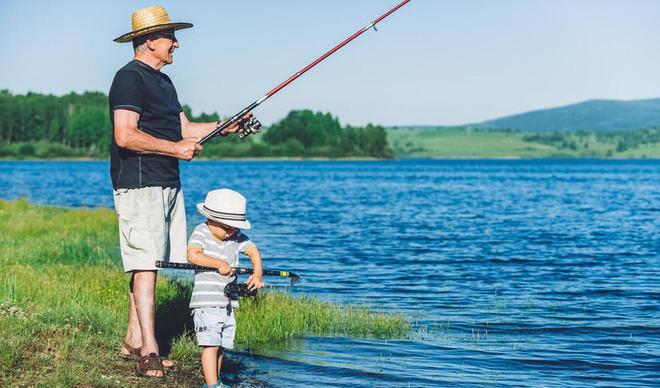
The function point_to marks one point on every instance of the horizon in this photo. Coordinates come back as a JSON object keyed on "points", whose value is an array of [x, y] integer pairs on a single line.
{"points": [[515, 57]]}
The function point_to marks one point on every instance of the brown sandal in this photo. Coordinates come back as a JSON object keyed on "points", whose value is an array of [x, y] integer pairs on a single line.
{"points": [[150, 362], [133, 353]]}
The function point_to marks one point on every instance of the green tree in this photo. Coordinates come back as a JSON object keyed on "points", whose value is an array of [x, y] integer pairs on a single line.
{"points": [[88, 127], [309, 128], [76, 124]]}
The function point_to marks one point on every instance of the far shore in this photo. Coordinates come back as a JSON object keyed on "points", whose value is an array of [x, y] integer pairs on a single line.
{"points": [[347, 159]]}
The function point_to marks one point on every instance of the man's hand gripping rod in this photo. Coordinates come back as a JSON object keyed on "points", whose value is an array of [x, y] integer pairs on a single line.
{"points": [[237, 270], [247, 129]]}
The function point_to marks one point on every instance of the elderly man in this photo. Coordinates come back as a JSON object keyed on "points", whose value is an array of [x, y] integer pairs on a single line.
{"points": [[151, 134]]}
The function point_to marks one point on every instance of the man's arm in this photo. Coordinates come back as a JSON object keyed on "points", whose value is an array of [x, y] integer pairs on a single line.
{"points": [[198, 130], [127, 135], [196, 256], [255, 280]]}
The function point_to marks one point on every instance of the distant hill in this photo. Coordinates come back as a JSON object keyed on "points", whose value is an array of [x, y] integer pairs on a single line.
{"points": [[592, 115]]}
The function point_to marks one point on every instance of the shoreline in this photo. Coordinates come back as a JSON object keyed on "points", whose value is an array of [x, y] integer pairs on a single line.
{"points": [[63, 307]]}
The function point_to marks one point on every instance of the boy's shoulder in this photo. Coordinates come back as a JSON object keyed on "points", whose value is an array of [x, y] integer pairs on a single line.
{"points": [[201, 230], [201, 227]]}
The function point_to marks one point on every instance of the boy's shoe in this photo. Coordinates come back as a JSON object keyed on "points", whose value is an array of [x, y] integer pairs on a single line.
{"points": [[218, 385]]}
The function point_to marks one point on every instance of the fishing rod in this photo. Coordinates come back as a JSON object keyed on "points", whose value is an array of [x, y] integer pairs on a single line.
{"points": [[253, 126], [237, 270]]}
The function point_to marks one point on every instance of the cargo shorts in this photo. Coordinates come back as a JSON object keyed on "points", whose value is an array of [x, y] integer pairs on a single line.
{"points": [[214, 326], [152, 226]]}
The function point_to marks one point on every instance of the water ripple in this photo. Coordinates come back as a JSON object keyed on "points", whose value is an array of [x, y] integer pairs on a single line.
{"points": [[514, 273]]}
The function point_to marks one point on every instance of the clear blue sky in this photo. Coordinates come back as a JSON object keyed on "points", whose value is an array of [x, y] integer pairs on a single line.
{"points": [[433, 62]]}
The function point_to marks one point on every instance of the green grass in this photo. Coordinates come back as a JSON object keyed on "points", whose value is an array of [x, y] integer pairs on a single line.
{"points": [[462, 143], [645, 151], [63, 305]]}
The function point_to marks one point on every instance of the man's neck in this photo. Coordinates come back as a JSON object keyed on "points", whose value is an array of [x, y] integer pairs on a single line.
{"points": [[149, 60]]}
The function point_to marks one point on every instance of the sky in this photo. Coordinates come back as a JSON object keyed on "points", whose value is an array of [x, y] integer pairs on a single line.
{"points": [[434, 62]]}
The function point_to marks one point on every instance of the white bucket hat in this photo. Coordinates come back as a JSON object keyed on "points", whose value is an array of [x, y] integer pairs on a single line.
{"points": [[226, 207]]}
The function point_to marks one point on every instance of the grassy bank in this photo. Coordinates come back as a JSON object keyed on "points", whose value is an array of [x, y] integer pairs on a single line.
{"points": [[63, 305], [461, 143]]}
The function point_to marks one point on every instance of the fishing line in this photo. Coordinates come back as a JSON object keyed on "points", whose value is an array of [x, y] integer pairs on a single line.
{"points": [[254, 127]]}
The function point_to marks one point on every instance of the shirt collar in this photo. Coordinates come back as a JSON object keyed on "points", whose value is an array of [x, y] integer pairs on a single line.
{"points": [[144, 65]]}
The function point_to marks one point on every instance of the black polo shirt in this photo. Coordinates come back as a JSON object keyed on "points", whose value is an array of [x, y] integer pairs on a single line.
{"points": [[150, 93]]}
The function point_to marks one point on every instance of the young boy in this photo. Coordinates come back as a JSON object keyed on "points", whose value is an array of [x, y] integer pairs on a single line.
{"points": [[216, 244]]}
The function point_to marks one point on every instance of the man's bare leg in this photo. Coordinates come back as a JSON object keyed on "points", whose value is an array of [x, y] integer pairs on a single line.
{"points": [[133, 332], [144, 288]]}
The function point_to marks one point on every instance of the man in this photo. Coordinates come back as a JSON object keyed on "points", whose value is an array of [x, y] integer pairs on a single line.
{"points": [[151, 134]]}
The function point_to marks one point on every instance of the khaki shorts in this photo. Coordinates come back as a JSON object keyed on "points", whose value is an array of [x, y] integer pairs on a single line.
{"points": [[152, 226], [214, 326]]}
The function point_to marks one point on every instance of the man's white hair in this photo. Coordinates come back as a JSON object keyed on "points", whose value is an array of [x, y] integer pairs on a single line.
{"points": [[141, 48]]}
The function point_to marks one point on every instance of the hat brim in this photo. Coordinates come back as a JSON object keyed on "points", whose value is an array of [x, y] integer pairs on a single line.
{"points": [[236, 224], [147, 30]]}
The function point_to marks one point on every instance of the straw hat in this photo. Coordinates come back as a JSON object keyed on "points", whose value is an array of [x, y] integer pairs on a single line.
{"points": [[226, 207], [148, 20]]}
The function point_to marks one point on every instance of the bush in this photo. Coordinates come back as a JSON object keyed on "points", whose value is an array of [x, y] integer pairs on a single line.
{"points": [[5, 151], [54, 150], [293, 147], [26, 149], [220, 149], [259, 150]]}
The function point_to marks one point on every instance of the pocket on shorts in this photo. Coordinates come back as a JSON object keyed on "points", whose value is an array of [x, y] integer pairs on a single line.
{"points": [[135, 231], [209, 319]]}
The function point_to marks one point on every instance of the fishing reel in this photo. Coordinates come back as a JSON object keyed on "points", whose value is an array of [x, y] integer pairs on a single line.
{"points": [[246, 127], [233, 290], [249, 127]]}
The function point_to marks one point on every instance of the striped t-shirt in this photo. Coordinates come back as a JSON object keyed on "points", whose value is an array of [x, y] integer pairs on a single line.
{"points": [[210, 285]]}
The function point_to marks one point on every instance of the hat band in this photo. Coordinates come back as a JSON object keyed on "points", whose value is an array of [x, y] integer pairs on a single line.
{"points": [[225, 216]]}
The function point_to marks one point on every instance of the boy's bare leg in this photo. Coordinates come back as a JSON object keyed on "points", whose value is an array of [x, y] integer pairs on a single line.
{"points": [[133, 332], [144, 286], [210, 365]]}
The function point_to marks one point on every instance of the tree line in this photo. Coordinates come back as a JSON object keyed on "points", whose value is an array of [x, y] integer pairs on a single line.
{"points": [[78, 125], [582, 141]]}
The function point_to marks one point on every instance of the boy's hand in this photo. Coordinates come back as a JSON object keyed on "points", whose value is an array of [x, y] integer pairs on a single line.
{"points": [[255, 282]]}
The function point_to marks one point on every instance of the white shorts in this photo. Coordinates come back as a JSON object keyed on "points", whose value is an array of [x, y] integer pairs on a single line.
{"points": [[152, 226], [214, 326]]}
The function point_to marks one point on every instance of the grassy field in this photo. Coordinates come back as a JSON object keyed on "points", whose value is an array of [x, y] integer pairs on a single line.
{"points": [[645, 151], [63, 306], [464, 143]]}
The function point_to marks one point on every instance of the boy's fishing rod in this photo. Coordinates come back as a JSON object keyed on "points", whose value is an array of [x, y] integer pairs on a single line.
{"points": [[237, 270], [258, 102]]}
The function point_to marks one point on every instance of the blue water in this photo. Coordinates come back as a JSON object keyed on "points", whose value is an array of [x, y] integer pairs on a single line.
{"points": [[516, 273]]}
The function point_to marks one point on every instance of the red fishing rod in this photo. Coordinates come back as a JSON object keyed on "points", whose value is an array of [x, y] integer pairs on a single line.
{"points": [[281, 86]]}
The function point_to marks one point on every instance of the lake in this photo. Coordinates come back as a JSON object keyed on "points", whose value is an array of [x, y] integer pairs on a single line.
{"points": [[515, 273]]}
